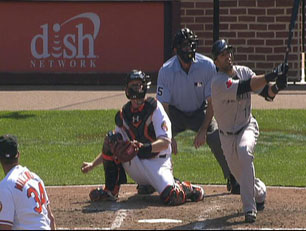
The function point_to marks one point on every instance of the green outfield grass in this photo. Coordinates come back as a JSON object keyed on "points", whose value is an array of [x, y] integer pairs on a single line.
{"points": [[55, 143]]}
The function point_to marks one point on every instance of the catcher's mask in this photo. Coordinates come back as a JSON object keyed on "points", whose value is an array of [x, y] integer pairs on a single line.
{"points": [[137, 91], [186, 42], [218, 47]]}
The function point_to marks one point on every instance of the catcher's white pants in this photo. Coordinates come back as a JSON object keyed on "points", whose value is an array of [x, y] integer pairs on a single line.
{"points": [[156, 172], [238, 151]]}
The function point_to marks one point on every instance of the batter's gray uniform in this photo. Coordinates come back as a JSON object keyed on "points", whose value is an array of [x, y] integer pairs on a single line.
{"points": [[238, 133], [186, 95]]}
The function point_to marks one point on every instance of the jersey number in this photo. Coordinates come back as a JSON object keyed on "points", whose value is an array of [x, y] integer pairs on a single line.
{"points": [[159, 91], [40, 198]]}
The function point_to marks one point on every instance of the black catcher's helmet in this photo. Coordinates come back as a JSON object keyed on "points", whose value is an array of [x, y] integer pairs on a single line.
{"points": [[218, 47], [185, 37], [131, 93]]}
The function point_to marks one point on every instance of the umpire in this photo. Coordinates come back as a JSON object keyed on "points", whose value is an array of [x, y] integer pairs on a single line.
{"points": [[184, 89]]}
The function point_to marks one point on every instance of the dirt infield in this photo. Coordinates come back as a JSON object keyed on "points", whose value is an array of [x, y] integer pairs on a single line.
{"points": [[285, 208], [16, 98]]}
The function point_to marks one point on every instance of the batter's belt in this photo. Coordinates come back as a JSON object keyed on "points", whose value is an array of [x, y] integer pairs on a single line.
{"points": [[231, 133]]}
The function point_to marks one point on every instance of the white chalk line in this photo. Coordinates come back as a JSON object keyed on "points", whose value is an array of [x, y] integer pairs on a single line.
{"points": [[121, 214], [202, 218], [134, 185]]}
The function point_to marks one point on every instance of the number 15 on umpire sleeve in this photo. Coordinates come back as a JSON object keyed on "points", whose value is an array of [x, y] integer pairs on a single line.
{"points": [[160, 91]]}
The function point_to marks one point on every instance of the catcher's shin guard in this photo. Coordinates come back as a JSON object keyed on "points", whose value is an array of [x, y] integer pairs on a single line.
{"points": [[114, 175], [193, 192], [173, 195]]}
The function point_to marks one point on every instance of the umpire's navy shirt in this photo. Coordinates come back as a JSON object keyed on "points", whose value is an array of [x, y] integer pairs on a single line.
{"points": [[186, 92]]}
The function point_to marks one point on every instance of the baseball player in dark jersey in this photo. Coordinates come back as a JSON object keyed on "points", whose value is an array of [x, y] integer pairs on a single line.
{"points": [[231, 99], [145, 121], [184, 89]]}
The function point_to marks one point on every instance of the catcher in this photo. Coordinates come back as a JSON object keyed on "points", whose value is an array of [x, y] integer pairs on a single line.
{"points": [[141, 146]]}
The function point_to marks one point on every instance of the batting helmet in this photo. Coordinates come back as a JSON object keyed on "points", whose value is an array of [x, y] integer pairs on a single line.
{"points": [[130, 92], [185, 37], [218, 47]]}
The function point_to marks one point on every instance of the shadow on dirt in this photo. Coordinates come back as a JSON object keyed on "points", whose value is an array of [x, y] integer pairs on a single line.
{"points": [[215, 223], [134, 202]]}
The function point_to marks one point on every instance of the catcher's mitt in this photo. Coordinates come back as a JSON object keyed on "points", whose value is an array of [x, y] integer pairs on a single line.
{"points": [[125, 151]]}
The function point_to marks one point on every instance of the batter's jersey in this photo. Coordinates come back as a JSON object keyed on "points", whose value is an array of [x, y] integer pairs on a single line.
{"points": [[161, 124], [23, 200], [186, 92], [232, 112]]}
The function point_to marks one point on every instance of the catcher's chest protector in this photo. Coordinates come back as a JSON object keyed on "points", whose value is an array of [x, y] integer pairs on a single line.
{"points": [[138, 126]]}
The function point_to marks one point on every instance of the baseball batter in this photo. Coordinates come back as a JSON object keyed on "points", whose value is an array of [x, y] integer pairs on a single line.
{"points": [[24, 203], [231, 99], [142, 121]]}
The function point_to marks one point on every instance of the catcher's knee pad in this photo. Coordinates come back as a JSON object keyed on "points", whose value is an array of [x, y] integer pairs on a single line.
{"points": [[193, 192], [173, 195]]}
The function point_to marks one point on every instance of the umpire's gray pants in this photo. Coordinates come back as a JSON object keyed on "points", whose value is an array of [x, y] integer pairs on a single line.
{"points": [[182, 121]]}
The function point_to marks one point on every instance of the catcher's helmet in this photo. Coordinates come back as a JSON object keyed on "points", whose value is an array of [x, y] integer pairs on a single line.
{"points": [[185, 38], [139, 93], [218, 47]]}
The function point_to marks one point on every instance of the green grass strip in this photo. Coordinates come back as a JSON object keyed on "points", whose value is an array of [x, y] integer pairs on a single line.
{"points": [[55, 143]]}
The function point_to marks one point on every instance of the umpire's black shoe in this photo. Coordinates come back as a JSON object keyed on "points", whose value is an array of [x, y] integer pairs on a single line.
{"points": [[260, 206], [145, 189], [232, 185]]}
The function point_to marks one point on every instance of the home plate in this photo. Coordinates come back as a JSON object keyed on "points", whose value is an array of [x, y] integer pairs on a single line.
{"points": [[159, 221]]}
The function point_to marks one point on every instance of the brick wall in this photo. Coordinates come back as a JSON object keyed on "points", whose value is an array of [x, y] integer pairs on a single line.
{"points": [[258, 29]]}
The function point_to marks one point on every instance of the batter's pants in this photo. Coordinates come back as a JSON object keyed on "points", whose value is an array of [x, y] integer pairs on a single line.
{"points": [[239, 153]]}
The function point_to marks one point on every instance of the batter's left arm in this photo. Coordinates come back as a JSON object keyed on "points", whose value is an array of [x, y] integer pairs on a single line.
{"points": [[200, 138]]}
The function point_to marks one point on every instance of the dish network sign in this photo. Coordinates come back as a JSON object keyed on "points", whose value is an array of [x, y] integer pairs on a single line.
{"points": [[52, 49]]}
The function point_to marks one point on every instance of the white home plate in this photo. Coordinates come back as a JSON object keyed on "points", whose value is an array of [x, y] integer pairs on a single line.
{"points": [[159, 221]]}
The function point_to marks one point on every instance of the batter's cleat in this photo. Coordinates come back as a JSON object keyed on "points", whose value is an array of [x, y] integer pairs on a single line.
{"points": [[260, 206], [100, 194], [145, 189], [232, 185], [197, 193], [250, 217]]}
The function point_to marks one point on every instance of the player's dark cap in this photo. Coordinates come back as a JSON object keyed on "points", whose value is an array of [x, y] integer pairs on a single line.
{"points": [[8, 146], [218, 47]]}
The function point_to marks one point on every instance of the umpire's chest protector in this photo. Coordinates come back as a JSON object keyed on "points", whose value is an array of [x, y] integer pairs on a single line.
{"points": [[138, 125]]}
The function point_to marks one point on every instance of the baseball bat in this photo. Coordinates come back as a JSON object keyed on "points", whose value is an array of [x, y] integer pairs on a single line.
{"points": [[294, 13]]}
